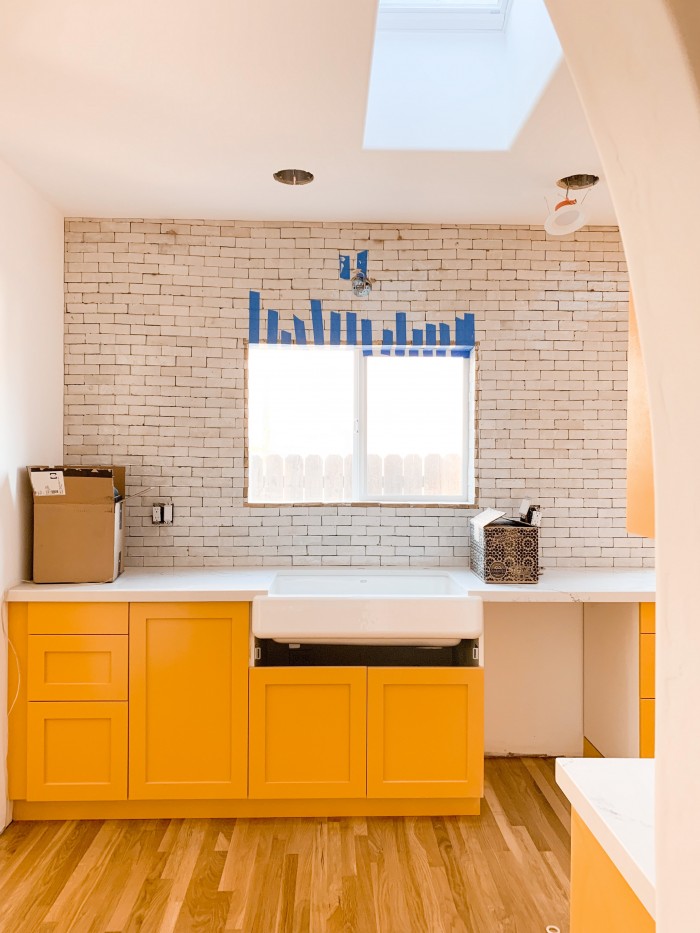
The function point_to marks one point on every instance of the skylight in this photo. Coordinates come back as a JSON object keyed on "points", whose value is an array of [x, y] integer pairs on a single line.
{"points": [[444, 79], [443, 15]]}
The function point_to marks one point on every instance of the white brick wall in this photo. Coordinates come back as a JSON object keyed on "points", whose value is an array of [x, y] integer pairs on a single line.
{"points": [[156, 318]]}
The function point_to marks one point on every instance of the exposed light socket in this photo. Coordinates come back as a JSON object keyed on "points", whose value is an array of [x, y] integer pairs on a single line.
{"points": [[162, 513]]}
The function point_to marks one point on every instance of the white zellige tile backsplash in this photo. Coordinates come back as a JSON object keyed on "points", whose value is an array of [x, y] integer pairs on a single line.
{"points": [[156, 324]]}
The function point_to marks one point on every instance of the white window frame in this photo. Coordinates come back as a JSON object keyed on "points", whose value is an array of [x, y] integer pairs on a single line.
{"points": [[360, 496]]}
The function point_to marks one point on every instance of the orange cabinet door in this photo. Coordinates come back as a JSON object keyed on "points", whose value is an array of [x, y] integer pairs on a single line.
{"points": [[77, 751], [307, 732], [188, 693], [78, 667], [425, 732]]}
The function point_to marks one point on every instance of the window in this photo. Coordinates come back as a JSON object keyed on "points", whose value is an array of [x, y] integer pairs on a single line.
{"points": [[333, 425]]}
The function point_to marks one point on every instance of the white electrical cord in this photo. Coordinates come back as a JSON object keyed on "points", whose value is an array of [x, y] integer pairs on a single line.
{"points": [[14, 652]]}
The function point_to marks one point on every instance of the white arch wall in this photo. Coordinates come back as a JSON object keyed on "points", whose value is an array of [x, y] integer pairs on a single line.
{"points": [[636, 64]]}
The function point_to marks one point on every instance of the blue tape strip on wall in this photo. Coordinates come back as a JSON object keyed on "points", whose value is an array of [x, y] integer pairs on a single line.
{"points": [[392, 343]]}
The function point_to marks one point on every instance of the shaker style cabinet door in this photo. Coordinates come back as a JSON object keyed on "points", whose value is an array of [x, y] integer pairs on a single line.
{"points": [[425, 732], [307, 732], [76, 751], [188, 700]]}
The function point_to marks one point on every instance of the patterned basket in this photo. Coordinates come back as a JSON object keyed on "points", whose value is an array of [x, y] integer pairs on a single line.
{"points": [[505, 552]]}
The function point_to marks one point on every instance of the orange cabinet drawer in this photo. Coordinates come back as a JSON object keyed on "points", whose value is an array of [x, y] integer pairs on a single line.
{"points": [[647, 711], [77, 751], [647, 618], [78, 618], [78, 667], [647, 667]]}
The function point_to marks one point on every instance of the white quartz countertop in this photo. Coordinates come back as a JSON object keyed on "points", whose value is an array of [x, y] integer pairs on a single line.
{"points": [[220, 584], [615, 798]]}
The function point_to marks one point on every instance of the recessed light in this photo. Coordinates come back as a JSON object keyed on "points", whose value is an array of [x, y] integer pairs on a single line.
{"points": [[293, 176], [578, 182]]}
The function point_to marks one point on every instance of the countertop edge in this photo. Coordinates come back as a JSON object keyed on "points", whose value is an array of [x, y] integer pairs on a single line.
{"points": [[623, 859], [202, 584]]}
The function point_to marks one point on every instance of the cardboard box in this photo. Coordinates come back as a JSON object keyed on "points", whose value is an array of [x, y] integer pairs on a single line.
{"points": [[78, 524], [503, 550]]}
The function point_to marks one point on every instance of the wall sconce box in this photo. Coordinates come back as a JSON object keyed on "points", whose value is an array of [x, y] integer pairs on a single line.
{"points": [[503, 550], [78, 523]]}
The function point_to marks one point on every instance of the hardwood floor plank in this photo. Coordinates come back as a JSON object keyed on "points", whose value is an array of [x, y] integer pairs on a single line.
{"points": [[505, 871]]}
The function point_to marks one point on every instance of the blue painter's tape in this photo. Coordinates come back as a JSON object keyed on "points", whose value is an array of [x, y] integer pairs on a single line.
{"points": [[366, 337], [351, 328], [417, 341], [253, 317], [401, 340], [299, 331], [387, 341], [362, 259], [317, 321], [273, 320], [335, 328], [344, 266], [285, 337], [469, 332]]}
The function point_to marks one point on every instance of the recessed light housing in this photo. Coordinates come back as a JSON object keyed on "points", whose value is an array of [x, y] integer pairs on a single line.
{"points": [[293, 176], [568, 216]]}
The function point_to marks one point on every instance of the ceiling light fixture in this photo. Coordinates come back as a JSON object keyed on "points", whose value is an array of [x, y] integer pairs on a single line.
{"points": [[293, 176], [568, 215]]}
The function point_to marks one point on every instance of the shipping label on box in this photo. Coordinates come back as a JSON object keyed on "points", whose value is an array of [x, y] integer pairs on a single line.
{"points": [[47, 482]]}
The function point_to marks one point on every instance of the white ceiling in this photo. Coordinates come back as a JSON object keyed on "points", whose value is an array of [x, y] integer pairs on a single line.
{"points": [[177, 108]]}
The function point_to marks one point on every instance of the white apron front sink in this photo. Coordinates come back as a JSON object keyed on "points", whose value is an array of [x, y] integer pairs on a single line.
{"points": [[367, 607]]}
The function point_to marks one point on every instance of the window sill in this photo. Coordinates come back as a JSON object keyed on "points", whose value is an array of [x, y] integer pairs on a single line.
{"points": [[394, 504]]}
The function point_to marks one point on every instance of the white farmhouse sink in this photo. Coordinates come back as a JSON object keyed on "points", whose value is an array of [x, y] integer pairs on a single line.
{"points": [[367, 607]]}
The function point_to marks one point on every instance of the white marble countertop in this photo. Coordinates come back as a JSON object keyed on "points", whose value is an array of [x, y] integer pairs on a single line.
{"points": [[596, 585], [212, 584], [615, 798]]}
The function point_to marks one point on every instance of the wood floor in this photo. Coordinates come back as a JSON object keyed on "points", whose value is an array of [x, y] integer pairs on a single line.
{"points": [[504, 870]]}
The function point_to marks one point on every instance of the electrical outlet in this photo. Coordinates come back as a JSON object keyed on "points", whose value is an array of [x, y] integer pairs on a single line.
{"points": [[162, 513]]}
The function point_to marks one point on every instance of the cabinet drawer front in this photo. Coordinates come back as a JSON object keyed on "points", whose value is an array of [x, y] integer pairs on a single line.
{"points": [[77, 751], [647, 714], [307, 732], [647, 667], [647, 618], [78, 667], [425, 732], [78, 618]]}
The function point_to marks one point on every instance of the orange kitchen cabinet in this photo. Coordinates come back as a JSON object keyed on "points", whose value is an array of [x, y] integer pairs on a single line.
{"points": [[77, 751], [647, 618], [647, 728], [78, 618], [601, 899], [647, 667], [640, 467], [78, 667], [425, 732], [188, 700], [308, 732]]}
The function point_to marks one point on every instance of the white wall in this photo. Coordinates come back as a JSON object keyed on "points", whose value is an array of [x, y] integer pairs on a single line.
{"points": [[533, 663], [636, 64], [31, 379]]}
